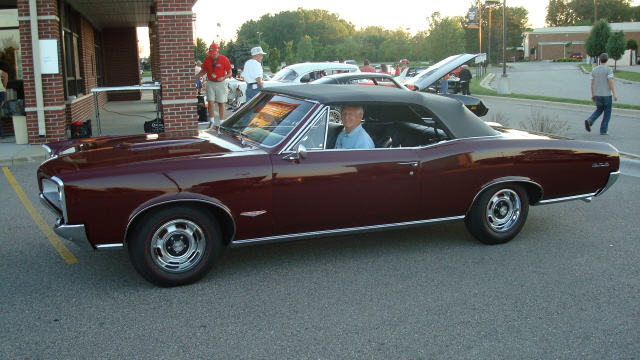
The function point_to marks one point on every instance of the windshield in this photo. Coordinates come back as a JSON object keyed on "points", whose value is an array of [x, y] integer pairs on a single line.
{"points": [[269, 120], [285, 74]]}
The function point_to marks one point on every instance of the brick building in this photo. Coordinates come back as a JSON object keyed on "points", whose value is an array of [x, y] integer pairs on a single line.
{"points": [[59, 50], [550, 43]]}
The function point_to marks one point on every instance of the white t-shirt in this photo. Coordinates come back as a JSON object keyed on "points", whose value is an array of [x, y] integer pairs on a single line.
{"points": [[252, 70]]}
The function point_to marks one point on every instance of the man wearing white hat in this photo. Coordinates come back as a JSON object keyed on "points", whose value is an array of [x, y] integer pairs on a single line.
{"points": [[252, 72]]}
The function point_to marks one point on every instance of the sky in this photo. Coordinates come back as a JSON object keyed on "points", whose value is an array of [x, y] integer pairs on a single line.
{"points": [[409, 15]]}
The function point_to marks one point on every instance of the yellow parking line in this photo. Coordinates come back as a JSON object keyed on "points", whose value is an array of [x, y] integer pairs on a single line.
{"points": [[46, 229]]}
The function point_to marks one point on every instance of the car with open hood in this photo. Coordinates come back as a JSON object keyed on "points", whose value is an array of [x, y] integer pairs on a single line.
{"points": [[428, 79], [271, 172]]}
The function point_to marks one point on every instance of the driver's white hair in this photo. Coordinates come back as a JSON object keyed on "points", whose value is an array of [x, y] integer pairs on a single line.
{"points": [[360, 109]]}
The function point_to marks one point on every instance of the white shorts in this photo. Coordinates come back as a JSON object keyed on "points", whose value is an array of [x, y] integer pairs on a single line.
{"points": [[217, 91]]}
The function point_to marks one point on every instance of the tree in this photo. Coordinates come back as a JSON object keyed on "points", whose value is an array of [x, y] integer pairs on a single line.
{"points": [[200, 49], [397, 45], [289, 56], [583, 12], [305, 49], [274, 59], [559, 13], [347, 49], [632, 44], [616, 46], [596, 42], [446, 37]]}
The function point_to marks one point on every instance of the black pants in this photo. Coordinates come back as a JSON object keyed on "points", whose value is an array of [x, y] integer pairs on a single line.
{"points": [[465, 88]]}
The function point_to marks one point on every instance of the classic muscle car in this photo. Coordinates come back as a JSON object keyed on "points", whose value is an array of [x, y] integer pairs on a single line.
{"points": [[271, 173], [474, 104]]}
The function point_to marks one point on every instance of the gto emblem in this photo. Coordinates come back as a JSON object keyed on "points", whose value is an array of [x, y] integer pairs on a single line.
{"points": [[253, 213], [600, 164]]}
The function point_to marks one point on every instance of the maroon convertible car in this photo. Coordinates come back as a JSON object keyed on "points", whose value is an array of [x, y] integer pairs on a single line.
{"points": [[271, 173]]}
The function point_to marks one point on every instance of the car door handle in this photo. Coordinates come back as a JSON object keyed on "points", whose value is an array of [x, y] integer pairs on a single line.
{"points": [[411, 163]]}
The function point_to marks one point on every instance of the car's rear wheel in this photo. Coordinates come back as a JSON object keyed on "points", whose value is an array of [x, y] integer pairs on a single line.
{"points": [[175, 246], [498, 214]]}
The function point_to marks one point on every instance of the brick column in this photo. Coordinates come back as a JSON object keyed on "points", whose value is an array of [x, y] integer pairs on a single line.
{"points": [[52, 84], [173, 35]]}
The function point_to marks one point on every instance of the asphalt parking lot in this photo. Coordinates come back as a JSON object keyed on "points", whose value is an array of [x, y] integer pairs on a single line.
{"points": [[566, 287]]}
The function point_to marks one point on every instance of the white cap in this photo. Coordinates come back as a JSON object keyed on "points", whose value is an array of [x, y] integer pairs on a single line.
{"points": [[257, 50]]}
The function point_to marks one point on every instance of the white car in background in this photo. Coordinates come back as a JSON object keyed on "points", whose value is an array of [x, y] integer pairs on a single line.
{"points": [[291, 75], [409, 73], [237, 90]]}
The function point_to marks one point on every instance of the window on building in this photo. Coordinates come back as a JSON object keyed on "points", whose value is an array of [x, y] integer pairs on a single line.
{"points": [[71, 49], [10, 42]]}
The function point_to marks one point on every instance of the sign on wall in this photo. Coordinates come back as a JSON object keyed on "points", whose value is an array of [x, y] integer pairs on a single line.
{"points": [[49, 56]]}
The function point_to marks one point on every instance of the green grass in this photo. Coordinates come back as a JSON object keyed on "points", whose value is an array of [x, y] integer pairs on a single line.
{"points": [[146, 73], [476, 89], [620, 74]]}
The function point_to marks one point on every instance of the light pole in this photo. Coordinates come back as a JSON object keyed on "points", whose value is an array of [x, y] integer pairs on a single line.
{"points": [[259, 41], [504, 85]]}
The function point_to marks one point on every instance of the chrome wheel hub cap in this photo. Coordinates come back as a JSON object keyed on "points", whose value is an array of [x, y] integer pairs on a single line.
{"points": [[503, 210], [178, 245]]}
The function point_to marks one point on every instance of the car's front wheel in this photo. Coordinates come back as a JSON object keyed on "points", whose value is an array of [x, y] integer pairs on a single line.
{"points": [[498, 214], [175, 246]]}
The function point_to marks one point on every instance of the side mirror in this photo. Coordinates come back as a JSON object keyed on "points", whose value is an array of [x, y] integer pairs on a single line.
{"points": [[301, 153]]}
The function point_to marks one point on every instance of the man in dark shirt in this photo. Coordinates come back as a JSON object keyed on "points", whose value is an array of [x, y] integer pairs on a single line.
{"points": [[465, 79]]}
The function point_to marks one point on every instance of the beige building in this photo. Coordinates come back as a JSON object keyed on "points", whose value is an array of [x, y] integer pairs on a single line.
{"points": [[551, 43]]}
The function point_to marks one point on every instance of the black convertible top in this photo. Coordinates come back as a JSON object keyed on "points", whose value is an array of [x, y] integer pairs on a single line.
{"points": [[461, 122]]}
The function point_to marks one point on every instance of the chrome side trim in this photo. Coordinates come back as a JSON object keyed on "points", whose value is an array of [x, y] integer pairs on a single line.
{"points": [[583, 197], [613, 177], [73, 233], [347, 231], [110, 247]]}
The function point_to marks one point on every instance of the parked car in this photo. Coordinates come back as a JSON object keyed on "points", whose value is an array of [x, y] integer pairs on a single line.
{"points": [[576, 56], [428, 79], [474, 104], [293, 75], [351, 62], [238, 90], [409, 73], [270, 173]]}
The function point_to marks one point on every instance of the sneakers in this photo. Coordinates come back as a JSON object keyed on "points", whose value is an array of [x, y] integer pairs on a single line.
{"points": [[604, 133], [587, 125]]}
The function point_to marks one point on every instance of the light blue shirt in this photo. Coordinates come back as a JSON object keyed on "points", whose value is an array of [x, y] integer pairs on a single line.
{"points": [[356, 139]]}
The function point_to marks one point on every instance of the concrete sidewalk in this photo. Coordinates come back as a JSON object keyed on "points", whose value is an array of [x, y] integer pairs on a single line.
{"points": [[116, 118]]}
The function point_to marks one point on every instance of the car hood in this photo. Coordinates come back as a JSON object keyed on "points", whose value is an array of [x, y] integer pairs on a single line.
{"points": [[436, 71], [109, 151]]}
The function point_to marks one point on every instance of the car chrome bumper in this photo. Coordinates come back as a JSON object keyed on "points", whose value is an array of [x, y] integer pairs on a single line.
{"points": [[73, 233], [613, 177]]}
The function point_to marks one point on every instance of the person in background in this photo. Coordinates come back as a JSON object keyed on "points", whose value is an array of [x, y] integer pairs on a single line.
{"points": [[367, 67], [465, 79], [384, 69], [218, 70], [602, 92], [444, 84], [252, 72], [4, 80], [198, 68], [397, 66]]}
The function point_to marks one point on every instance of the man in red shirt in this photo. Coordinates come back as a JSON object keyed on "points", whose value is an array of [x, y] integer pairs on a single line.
{"points": [[367, 67], [218, 70]]}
